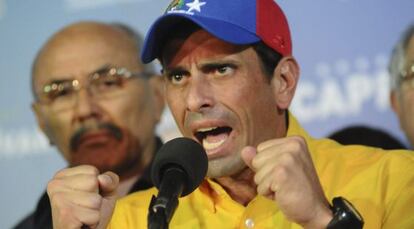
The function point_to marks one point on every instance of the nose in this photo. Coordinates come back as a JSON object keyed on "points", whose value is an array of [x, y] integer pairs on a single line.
{"points": [[86, 106], [200, 95]]}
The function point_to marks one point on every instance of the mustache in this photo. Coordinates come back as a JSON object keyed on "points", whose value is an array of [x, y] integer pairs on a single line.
{"points": [[77, 136]]}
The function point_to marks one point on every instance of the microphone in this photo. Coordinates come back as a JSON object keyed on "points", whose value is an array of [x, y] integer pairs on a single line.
{"points": [[179, 167]]}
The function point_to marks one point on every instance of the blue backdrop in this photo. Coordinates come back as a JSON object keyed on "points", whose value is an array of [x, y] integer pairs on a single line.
{"points": [[342, 47]]}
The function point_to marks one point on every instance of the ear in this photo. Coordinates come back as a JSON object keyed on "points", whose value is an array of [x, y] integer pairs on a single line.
{"points": [[284, 81], [157, 84], [41, 121]]}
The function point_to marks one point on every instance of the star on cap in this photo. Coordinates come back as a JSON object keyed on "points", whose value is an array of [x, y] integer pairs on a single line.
{"points": [[195, 5]]}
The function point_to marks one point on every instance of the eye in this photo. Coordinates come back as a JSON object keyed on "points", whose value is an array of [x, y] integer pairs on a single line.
{"points": [[176, 78], [108, 82], [60, 92], [223, 70], [112, 81]]}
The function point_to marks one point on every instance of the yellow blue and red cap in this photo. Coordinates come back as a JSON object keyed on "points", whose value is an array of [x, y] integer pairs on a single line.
{"points": [[238, 22]]}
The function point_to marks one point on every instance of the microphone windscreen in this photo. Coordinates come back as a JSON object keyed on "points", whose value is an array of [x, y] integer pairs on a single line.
{"points": [[186, 154]]}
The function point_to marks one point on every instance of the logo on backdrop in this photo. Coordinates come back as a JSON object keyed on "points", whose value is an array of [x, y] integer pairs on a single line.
{"points": [[343, 89], [22, 142]]}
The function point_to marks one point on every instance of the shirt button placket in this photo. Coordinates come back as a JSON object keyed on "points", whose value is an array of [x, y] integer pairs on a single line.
{"points": [[249, 223]]}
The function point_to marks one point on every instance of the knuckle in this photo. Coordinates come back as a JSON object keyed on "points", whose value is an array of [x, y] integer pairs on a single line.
{"points": [[300, 141], [261, 189], [52, 185], [96, 201], [256, 179], [91, 183], [288, 159], [61, 172], [280, 173], [91, 170], [256, 162], [294, 145]]}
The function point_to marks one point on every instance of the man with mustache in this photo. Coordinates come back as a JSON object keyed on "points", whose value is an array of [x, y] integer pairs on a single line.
{"points": [[98, 104], [229, 80]]}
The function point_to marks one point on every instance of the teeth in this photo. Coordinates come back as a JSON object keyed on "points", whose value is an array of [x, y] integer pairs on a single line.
{"points": [[206, 129], [212, 145]]}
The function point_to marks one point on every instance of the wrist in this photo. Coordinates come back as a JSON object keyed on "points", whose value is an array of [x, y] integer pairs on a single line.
{"points": [[321, 219]]}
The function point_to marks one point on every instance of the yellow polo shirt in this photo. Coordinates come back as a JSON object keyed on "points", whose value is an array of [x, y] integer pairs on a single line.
{"points": [[380, 184]]}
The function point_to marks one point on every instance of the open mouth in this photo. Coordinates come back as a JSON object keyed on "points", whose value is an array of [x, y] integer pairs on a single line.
{"points": [[213, 137]]}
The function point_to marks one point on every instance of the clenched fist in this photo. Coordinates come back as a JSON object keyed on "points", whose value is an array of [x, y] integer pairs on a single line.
{"points": [[284, 172], [80, 197]]}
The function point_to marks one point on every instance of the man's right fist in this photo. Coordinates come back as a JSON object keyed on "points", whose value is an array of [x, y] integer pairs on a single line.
{"points": [[80, 196]]}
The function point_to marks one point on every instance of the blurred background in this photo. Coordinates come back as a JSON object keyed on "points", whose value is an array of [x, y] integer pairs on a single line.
{"points": [[342, 46]]}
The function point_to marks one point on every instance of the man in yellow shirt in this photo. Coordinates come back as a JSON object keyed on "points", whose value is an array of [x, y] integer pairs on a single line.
{"points": [[229, 80]]}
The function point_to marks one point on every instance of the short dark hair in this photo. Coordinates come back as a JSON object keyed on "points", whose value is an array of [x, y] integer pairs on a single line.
{"points": [[269, 58]]}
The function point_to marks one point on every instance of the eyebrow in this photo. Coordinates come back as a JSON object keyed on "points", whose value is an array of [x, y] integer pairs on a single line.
{"points": [[208, 65], [214, 65], [101, 69], [57, 81], [169, 71], [51, 82]]}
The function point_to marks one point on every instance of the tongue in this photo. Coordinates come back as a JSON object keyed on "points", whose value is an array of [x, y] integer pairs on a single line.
{"points": [[213, 141]]}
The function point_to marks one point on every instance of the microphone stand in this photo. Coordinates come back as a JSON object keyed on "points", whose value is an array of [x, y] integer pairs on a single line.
{"points": [[157, 217], [163, 206]]}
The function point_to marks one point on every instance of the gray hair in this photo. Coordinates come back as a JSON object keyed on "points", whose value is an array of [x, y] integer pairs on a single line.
{"points": [[397, 61]]}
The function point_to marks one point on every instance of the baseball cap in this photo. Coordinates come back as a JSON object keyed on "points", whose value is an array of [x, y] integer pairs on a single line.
{"points": [[237, 22]]}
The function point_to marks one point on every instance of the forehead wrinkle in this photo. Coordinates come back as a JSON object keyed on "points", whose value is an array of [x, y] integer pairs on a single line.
{"points": [[65, 78], [213, 50]]}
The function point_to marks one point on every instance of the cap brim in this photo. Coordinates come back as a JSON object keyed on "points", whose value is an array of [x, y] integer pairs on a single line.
{"points": [[223, 30]]}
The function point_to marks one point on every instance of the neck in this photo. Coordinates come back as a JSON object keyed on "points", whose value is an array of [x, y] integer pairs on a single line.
{"points": [[129, 177], [138, 164], [240, 187]]}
